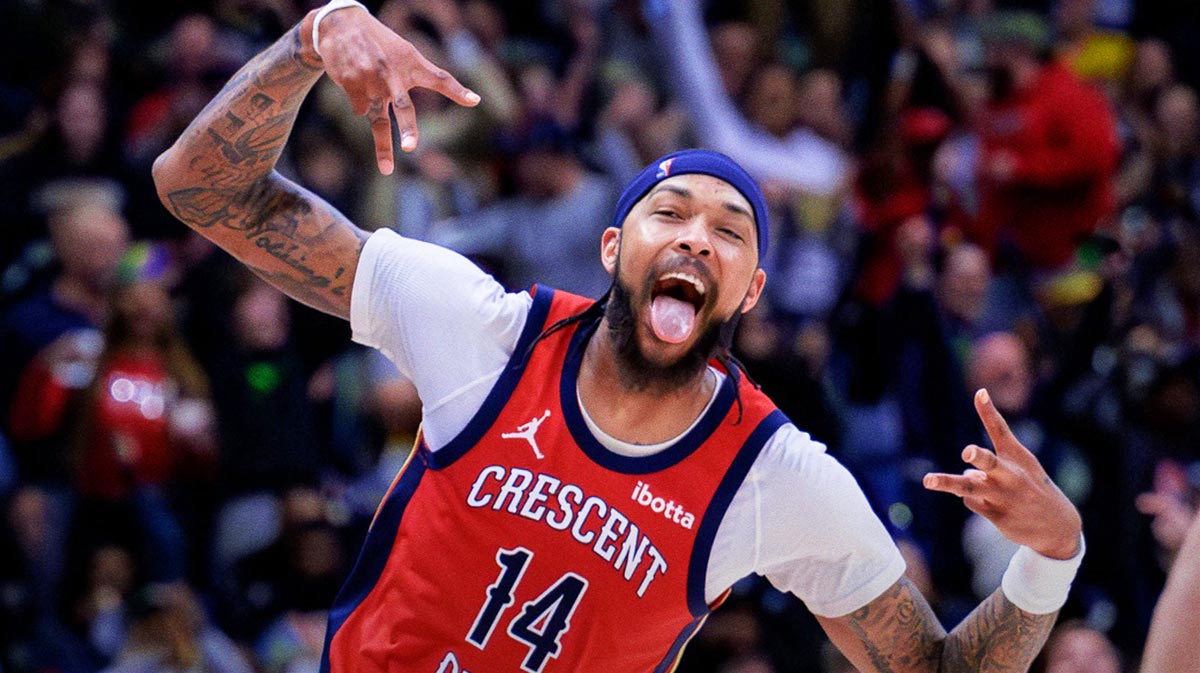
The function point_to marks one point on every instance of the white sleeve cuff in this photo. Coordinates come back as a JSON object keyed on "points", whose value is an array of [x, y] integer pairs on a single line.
{"points": [[1037, 584]]}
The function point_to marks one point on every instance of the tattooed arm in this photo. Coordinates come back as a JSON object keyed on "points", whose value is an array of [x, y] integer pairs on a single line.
{"points": [[898, 632], [219, 177]]}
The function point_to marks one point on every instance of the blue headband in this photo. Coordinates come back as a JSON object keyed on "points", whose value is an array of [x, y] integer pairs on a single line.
{"points": [[705, 162]]}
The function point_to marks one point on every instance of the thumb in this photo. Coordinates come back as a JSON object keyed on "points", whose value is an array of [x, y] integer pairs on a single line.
{"points": [[1153, 503]]}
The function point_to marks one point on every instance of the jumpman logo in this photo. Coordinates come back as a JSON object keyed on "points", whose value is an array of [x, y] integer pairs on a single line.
{"points": [[527, 432]]}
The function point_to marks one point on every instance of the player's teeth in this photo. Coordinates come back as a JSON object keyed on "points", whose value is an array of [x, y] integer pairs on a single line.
{"points": [[696, 283]]}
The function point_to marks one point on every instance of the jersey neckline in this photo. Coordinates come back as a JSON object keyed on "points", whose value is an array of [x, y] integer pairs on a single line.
{"points": [[691, 440]]}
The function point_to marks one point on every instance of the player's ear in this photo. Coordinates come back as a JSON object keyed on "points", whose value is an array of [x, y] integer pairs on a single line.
{"points": [[610, 247], [755, 290]]}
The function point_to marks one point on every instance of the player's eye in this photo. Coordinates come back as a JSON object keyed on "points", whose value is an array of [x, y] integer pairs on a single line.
{"points": [[731, 234]]}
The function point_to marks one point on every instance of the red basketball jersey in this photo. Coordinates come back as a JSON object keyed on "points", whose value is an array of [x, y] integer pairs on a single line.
{"points": [[526, 545]]}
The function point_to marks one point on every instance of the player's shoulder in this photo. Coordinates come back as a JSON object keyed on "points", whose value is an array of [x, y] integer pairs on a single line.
{"points": [[791, 448], [793, 460]]}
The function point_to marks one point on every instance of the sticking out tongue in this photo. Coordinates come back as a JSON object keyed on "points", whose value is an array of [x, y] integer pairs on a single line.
{"points": [[673, 319]]}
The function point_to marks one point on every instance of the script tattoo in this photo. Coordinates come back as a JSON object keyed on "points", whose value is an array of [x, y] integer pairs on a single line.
{"points": [[900, 634], [224, 184]]}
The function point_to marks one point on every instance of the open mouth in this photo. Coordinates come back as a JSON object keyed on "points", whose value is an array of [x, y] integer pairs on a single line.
{"points": [[676, 298]]}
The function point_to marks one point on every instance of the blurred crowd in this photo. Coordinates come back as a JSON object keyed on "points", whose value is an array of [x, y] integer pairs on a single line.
{"points": [[965, 194]]}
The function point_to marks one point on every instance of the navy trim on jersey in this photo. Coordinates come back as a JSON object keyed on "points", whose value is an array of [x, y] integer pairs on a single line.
{"points": [[681, 641], [501, 391], [730, 483], [375, 552], [569, 400]]}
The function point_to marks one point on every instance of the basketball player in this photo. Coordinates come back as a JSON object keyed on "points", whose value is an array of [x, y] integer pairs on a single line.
{"points": [[592, 476]]}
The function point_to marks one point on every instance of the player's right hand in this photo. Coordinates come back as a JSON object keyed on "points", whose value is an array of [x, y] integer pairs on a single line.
{"points": [[376, 67]]}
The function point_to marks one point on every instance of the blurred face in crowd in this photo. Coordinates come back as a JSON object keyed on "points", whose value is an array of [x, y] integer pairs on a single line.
{"points": [[1081, 650], [686, 261], [28, 518], [89, 241], [545, 173], [112, 567], [1177, 114], [1152, 69], [1000, 363], [964, 281], [537, 84], [819, 104], [486, 21], [261, 319], [142, 311], [193, 45], [82, 118], [734, 46], [1074, 17], [771, 101]]}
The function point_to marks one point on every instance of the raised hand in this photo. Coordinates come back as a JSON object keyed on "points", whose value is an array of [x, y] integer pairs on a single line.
{"points": [[1011, 489], [376, 67]]}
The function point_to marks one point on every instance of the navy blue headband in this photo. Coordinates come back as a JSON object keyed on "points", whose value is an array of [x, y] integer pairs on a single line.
{"points": [[705, 162]]}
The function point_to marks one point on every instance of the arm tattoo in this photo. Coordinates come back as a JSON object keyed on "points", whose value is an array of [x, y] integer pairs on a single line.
{"points": [[997, 637], [898, 633], [222, 183]]}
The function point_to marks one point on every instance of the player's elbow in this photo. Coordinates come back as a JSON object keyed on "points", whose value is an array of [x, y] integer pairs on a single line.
{"points": [[166, 174]]}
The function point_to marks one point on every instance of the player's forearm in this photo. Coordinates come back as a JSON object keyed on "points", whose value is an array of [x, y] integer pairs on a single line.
{"points": [[997, 636], [219, 179], [234, 143], [899, 633]]}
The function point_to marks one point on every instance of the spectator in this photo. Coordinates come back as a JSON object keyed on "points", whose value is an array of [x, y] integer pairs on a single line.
{"points": [[169, 633], [146, 407], [256, 382], [1074, 647], [547, 231], [1049, 149], [802, 158], [89, 236]]}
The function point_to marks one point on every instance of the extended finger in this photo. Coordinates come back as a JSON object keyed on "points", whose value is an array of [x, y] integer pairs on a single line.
{"points": [[1006, 443], [969, 483], [993, 422], [980, 457], [381, 130], [406, 119], [444, 83], [1156, 504]]}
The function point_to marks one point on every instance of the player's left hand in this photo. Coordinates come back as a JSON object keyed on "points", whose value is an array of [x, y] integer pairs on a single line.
{"points": [[1012, 490]]}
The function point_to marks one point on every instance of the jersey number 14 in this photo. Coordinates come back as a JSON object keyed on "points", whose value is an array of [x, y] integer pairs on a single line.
{"points": [[542, 621]]}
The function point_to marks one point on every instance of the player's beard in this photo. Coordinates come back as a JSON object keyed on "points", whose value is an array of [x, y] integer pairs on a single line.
{"points": [[636, 371]]}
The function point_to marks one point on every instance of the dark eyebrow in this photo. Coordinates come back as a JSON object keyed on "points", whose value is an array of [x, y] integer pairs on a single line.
{"points": [[738, 210], [670, 188], [729, 205]]}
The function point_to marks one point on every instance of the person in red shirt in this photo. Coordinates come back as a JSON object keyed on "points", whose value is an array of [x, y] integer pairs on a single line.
{"points": [[144, 410], [1049, 146]]}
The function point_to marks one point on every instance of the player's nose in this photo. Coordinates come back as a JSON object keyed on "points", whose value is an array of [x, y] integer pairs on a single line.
{"points": [[693, 238]]}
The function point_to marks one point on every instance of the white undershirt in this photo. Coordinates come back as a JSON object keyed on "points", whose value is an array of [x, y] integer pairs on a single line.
{"points": [[799, 518], [632, 450]]}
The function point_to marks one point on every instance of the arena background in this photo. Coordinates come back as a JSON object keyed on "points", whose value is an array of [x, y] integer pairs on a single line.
{"points": [[966, 194]]}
